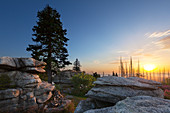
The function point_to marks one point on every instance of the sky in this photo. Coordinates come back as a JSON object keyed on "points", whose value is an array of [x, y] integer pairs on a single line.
{"points": [[100, 31]]}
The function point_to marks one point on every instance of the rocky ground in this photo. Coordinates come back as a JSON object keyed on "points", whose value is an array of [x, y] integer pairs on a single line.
{"points": [[21, 89], [137, 104], [124, 95]]}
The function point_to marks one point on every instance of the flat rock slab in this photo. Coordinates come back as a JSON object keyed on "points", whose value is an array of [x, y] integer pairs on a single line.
{"points": [[21, 64], [142, 80], [134, 82], [113, 89], [138, 104]]}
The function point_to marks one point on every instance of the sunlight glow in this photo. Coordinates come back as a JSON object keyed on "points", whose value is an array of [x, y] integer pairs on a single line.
{"points": [[149, 67]]}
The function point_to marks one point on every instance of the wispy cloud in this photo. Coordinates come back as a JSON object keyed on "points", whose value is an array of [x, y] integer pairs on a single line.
{"points": [[148, 55], [158, 34], [137, 52], [164, 42], [115, 62], [122, 52], [152, 51]]}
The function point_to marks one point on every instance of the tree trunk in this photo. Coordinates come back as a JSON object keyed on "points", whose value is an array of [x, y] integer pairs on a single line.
{"points": [[49, 72]]}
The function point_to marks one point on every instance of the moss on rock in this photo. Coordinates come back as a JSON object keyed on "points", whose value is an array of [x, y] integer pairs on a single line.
{"points": [[5, 82]]}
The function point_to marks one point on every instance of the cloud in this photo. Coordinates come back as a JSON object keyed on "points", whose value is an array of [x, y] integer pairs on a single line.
{"points": [[148, 51], [116, 62], [124, 52], [164, 42], [138, 52], [158, 34], [148, 55]]}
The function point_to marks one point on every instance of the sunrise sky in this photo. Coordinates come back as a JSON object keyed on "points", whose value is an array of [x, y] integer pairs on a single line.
{"points": [[100, 31]]}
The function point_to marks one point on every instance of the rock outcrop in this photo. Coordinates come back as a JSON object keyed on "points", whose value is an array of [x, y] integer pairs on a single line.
{"points": [[64, 79], [119, 93], [113, 89], [21, 89], [137, 104], [21, 64]]}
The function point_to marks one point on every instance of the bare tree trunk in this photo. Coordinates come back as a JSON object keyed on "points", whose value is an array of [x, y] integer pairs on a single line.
{"points": [[49, 72]]}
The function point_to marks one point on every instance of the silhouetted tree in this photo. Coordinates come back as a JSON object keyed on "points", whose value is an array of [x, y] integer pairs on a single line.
{"points": [[96, 75], [50, 40], [116, 75], [77, 65], [113, 74]]}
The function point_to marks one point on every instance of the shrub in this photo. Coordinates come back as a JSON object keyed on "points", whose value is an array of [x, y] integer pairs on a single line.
{"points": [[43, 76], [167, 94], [82, 83], [58, 86], [167, 81]]}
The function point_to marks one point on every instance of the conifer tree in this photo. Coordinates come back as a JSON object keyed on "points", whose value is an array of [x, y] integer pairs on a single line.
{"points": [[50, 40], [76, 65], [113, 74]]}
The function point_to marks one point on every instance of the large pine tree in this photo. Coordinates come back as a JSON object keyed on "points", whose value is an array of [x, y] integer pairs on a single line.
{"points": [[50, 40]]}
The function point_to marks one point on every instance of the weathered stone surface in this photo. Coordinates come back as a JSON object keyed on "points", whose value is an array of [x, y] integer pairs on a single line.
{"points": [[43, 98], [85, 105], [115, 94], [8, 62], [89, 103], [142, 80], [64, 80], [113, 89], [6, 103], [121, 82], [42, 88], [28, 89], [29, 104], [21, 79], [21, 64], [34, 69], [138, 104], [9, 105], [30, 95], [9, 93], [59, 109]]}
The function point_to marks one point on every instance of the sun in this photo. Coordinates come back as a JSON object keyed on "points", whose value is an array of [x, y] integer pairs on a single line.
{"points": [[149, 67]]}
